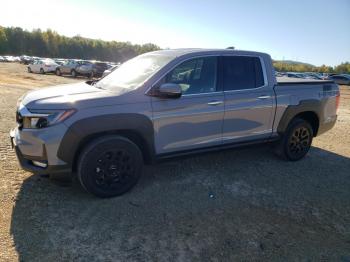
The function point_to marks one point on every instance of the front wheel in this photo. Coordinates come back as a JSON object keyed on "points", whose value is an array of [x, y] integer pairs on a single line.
{"points": [[296, 141], [110, 166], [29, 70], [42, 71]]}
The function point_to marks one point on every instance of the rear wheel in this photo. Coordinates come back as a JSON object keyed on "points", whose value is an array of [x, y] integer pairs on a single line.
{"points": [[42, 71], [58, 72], [296, 142], [110, 166]]}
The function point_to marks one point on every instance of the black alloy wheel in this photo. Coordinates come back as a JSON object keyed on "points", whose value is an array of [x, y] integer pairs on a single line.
{"points": [[299, 142], [296, 141], [110, 166]]}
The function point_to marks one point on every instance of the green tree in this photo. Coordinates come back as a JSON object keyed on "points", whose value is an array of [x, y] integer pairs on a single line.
{"points": [[3, 41], [16, 41]]}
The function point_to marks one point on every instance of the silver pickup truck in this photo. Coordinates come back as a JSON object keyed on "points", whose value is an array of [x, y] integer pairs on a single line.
{"points": [[163, 104]]}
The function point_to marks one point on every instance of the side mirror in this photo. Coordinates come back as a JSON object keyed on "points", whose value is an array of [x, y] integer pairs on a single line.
{"points": [[170, 90]]}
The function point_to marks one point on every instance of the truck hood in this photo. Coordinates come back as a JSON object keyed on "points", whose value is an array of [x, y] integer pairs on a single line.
{"points": [[78, 95]]}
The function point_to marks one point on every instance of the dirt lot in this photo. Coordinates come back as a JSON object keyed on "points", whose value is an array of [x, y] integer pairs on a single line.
{"points": [[236, 205]]}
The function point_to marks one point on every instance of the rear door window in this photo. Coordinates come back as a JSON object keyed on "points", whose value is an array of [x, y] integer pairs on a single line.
{"points": [[242, 72]]}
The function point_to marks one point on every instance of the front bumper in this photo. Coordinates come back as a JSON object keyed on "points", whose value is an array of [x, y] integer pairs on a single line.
{"points": [[32, 149]]}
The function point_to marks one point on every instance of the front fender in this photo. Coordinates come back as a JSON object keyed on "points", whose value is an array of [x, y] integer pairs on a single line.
{"points": [[79, 131]]}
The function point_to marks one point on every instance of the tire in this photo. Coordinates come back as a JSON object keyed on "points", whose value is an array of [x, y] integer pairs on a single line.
{"points": [[58, 72], [296, 141], [91, 75], [29, 70], [109, 166], [73, 73], [42, 71]]}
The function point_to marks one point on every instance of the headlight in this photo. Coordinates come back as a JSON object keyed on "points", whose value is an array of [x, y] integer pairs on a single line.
{"points": [[41, 119]]}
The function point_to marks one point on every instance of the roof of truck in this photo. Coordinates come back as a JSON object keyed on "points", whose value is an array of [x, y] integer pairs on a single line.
{"points": [[184, 51]]}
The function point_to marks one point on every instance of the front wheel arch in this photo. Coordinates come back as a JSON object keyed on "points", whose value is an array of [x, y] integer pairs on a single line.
{"points": [[133, 136], [136, 127]]}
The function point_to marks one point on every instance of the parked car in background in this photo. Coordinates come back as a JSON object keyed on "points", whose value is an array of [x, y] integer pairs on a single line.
{"points": [[2, 59], [312, 75], [69, 68], [110, 70], [9, 58], [343, 79], [295, 75], [26, 60], [42, 66], [91, 69], [60, 61]]}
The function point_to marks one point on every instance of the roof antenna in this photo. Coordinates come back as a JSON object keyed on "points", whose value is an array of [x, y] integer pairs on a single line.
{"points": [[230, 47]]}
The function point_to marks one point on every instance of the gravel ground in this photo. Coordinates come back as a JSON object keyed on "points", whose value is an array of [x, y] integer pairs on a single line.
{"points": [[236, 205]]}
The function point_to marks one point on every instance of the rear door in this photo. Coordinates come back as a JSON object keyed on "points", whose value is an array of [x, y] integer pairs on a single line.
{"points": [[195, 119], [249, 100]]}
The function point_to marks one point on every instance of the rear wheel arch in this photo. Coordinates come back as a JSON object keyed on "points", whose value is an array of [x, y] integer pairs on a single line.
{"points": [[296, 141], [312, 118], [308, 110]]}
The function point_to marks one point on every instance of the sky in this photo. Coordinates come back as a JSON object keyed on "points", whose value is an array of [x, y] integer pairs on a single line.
{"points": [[316, 32]]}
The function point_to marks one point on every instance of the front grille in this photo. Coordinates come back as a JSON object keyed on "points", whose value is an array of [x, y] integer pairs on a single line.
{"points": [[19, 119]]}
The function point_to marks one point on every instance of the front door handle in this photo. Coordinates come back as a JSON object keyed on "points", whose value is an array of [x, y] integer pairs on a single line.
{"points": [[264, 97], [215, 103]]}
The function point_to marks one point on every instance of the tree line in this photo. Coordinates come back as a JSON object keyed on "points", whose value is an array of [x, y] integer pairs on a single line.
{"points": [[16, 41], [343, 68]]}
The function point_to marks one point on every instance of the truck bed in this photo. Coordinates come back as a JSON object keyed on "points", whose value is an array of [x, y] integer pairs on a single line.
{"points": [[292, 80]]}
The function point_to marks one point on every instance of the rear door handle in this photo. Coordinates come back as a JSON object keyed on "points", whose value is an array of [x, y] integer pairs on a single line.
{"points": [[264, 97], [215, 103]]}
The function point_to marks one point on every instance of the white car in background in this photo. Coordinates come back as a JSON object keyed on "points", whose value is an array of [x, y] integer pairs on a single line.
{"points": [[42, 66]]}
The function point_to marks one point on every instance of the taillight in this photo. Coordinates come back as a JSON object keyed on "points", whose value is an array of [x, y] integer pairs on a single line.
{"points": [[337, 101]]}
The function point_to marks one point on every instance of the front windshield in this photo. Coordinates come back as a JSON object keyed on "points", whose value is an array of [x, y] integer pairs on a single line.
{"points": [[134, 72]]}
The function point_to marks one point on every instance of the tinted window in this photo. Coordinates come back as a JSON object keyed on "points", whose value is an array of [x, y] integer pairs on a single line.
{"points": [[242, 72], [195, 76], [259, 76]]}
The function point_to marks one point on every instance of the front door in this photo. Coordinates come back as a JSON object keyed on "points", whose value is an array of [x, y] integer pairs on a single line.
{"points": [[195, 119]]}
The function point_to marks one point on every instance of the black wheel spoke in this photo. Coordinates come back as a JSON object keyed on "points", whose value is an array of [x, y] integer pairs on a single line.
{"points": [[113, 168], [299, 141]]}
